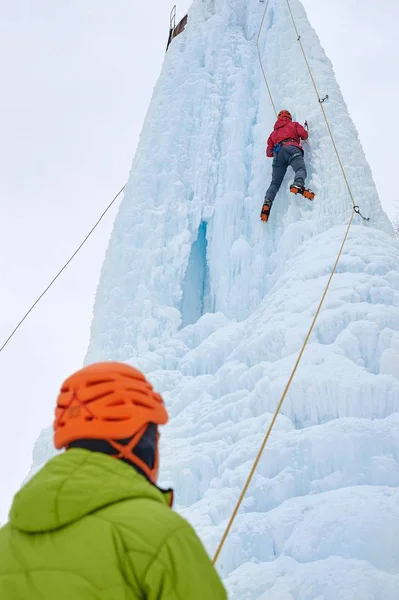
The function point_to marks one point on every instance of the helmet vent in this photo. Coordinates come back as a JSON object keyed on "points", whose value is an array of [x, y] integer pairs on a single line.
{"points": [[116, 402], [98, 382], [97, 397]]}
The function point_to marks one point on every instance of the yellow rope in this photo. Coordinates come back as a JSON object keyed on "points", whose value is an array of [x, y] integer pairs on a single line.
{"points": [[287, 387], [260, 58], [321, 105], [266, 438]]}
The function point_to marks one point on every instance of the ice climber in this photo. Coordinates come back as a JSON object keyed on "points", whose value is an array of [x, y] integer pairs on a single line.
{"points": [[92, 523], [284, 146]]}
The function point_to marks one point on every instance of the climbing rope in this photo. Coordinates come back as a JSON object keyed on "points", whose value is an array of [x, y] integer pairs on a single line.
{"points": [[260, 57], [281, 401], [302, 350], [321, 102], [61, 270]]}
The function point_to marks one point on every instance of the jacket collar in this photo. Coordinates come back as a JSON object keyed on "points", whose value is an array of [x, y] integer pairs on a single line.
{"points": [[281, 122], [74, 484]]}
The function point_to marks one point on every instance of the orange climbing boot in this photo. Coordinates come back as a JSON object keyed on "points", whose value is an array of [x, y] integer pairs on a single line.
{"points": [[308, 194], [266, 208], [295, 188]]}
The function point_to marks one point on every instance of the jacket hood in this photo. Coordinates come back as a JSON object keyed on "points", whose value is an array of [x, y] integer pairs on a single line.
{"points": [[281, 122], [74, 484]]}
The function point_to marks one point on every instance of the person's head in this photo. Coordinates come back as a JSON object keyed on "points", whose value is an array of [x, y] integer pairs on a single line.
{"points": [[111, 408], [284, 114]]}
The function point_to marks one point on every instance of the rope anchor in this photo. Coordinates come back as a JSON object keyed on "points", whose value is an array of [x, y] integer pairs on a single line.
{"points": [[321, 100], [357, 211]]}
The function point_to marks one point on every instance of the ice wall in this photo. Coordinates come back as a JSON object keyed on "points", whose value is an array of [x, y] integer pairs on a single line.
{"points": [[201, 160], [214, 306]]}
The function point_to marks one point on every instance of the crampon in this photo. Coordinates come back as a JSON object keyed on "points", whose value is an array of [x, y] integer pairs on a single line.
{"points": [[300, 189], [265, 212]]}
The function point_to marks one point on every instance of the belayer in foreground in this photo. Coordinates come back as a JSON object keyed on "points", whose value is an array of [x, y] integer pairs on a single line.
{"points": [[92, 524], [284, 146]]}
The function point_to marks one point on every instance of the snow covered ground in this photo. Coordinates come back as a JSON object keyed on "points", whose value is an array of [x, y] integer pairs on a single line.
{"points": [[214, 306]]}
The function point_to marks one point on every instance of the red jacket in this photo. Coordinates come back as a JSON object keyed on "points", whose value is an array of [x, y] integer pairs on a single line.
{"points": [[283, 129]]}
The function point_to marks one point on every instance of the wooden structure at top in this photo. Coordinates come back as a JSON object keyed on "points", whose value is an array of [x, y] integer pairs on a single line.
{"points": [[174, 29]]}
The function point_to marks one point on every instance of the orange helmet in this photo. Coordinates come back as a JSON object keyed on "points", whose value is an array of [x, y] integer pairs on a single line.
{"points": [[109, 401], [284, 113]]}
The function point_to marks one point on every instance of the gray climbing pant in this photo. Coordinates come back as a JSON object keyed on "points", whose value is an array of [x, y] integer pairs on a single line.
{"points": [[285, 157]]}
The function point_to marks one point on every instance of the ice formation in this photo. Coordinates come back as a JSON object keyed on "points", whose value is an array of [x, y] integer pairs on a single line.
{"points": [[214, 306]]}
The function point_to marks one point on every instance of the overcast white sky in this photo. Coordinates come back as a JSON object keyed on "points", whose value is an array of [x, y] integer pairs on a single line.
{"points": [[76, 80]]}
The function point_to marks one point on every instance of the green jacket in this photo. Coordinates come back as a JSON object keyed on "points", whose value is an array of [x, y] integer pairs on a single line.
{"points": [[89, 527]]}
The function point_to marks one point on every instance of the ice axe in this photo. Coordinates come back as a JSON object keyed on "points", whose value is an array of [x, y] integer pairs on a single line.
{"points": [[307, 129]]}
